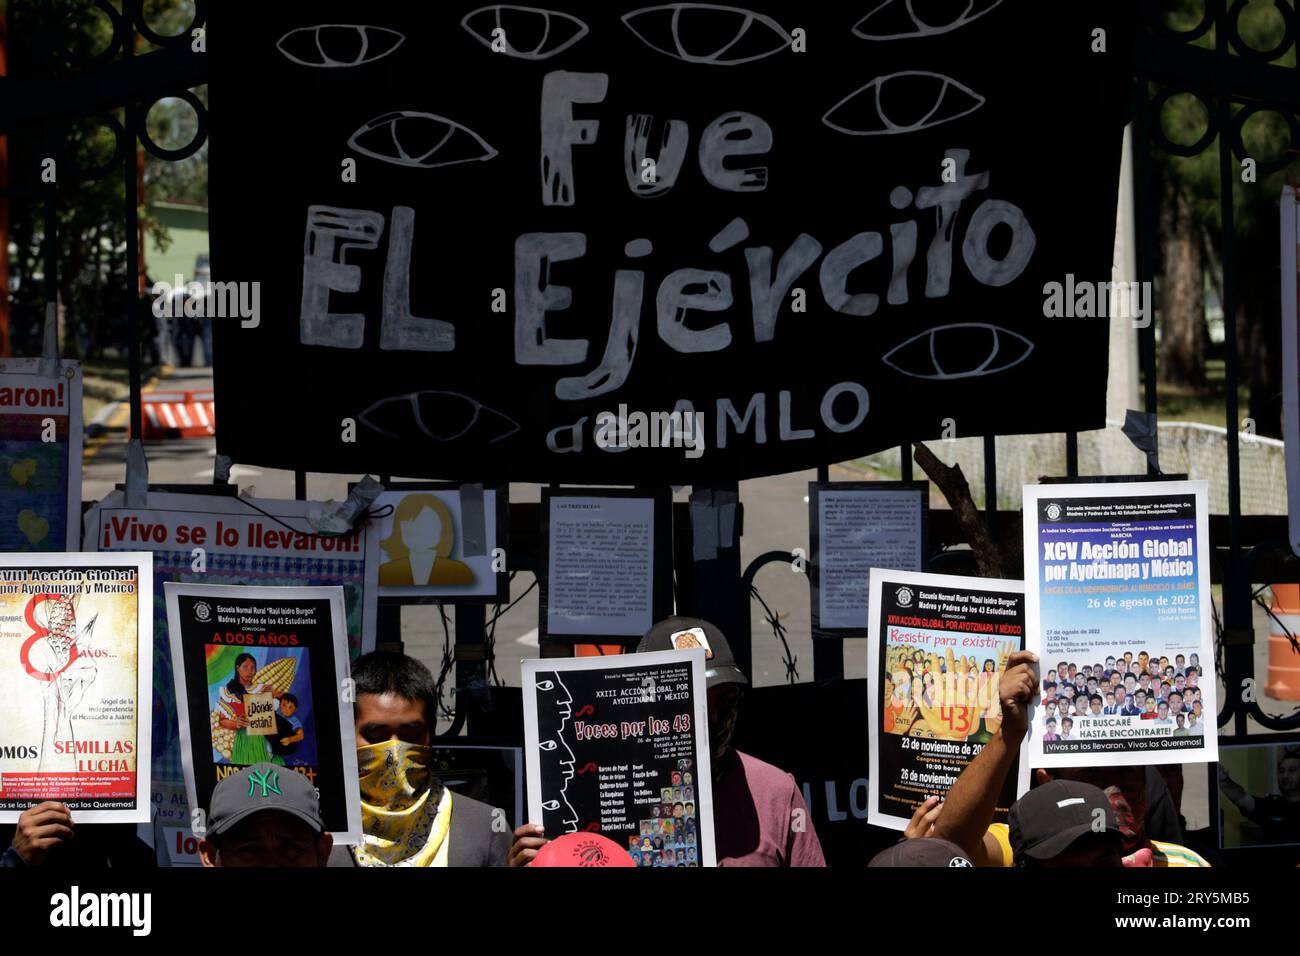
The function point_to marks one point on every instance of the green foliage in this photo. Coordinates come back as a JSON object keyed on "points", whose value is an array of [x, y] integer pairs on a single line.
{"points": [[93, 275], [1266, 138]]}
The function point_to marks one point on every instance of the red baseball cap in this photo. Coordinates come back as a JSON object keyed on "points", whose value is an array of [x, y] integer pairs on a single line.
{"points": [[582, 849]]}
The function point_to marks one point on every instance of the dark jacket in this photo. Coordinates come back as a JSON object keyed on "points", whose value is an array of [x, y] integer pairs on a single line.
{"points": [[1162, 822], [480, 836]]}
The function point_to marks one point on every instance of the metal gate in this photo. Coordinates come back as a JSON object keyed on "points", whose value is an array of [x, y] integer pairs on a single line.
{"points": [[1231, 79]]}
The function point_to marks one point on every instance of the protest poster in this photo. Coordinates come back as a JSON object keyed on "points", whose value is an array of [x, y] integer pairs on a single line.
{"points": [[1117, 608], [40, 456], [244, 656], [1290, 217], [855, 526], [442, 541], [809, 209], [76, 678], [490, 774], [1257, 794], [226, 540], [606, 562], [620, 746], [938, 646]]}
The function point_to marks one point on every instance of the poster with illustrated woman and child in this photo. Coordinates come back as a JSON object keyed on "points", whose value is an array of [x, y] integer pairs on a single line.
{"points": [[261, 673]]}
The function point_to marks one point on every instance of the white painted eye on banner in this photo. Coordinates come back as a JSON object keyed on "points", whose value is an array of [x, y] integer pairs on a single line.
{"points": [[547, 745], [338, 45], [964, 350], [528, 33], [904, 102], [546, 685], [900, 19], [422, 140], [550, 804], [708, 33], [438, 416]]}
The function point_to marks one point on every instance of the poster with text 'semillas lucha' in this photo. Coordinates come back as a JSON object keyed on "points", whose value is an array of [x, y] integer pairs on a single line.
{"points": [[76, 655]]}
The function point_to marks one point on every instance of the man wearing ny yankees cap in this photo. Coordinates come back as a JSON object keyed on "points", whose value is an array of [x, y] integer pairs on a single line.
{"points": [[265, 815]]}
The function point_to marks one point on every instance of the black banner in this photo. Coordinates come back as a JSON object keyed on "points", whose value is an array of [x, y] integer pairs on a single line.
{"points": [[507, 243]]}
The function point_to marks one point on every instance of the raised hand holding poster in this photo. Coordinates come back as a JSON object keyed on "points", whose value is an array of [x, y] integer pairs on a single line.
{"points": [[938, 645]]}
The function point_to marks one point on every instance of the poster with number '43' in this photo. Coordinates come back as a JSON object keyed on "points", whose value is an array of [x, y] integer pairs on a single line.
{"points": [[938, 645], [76, 680], [1117, 608]]}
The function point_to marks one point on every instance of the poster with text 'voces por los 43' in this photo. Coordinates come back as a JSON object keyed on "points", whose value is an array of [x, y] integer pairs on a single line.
{"points": [[620, 746]]}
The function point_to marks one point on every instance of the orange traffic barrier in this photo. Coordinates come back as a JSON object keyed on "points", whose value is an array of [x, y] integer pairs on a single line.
{"points": [[597, 650], [179, 414], [1283, 661]]}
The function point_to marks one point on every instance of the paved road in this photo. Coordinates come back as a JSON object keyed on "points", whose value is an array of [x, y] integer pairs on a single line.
{"points": [[776, 518]]}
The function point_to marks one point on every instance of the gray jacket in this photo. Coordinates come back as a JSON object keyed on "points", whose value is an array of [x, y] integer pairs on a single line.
{"points": [[480, 836]]}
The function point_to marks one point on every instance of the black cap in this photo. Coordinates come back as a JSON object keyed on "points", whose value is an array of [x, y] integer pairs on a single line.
{"points": [[923, 851], [680, 633], [263, 786], [1047, 820]]}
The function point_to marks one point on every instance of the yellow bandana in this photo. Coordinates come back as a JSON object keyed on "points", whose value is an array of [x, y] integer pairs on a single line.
{"points": [[405, 812]]}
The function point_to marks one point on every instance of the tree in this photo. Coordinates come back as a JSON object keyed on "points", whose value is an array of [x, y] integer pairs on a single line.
{"points": [[1184, 337], [92, 274]]}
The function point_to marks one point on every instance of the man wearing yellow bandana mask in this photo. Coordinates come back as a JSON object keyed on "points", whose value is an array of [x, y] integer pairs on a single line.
{"points": [[408, 818]]}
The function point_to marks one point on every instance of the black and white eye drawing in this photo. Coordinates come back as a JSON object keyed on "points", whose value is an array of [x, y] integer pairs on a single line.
{"points": [[526, 33], [906, 19], [438, 416], [904, 102], [708, 33], [422, 140], [963, 350], [339, 45]]}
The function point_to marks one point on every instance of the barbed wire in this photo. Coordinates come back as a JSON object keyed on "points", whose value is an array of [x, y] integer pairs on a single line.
{"points": [[778, 630]]}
